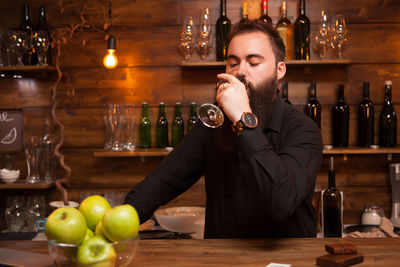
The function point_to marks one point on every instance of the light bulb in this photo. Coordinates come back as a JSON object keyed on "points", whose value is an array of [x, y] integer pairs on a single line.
{"points": [[110, 61]]}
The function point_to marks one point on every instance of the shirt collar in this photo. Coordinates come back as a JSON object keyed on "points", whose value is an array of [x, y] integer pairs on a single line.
{"points": [[276, 120]]}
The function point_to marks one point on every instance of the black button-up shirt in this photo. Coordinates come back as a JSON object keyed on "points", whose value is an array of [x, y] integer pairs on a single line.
{"points": [[263, 189]]}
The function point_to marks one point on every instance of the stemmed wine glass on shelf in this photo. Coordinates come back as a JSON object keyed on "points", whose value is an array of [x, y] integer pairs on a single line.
{"points": [[186, 43], [204, 39], [323, 36], [339, 35]]}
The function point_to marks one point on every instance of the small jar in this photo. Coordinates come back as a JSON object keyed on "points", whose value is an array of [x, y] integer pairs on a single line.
{"points": [[372, 214]]}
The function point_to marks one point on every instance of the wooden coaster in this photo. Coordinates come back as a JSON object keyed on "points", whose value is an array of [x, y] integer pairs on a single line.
{"points": [[329, 260]]}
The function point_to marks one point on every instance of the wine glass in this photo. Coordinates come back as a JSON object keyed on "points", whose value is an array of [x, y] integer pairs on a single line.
{"points": [[204, 40], [339, 35], [211, 115], [323, 36], [41, 43], [186, 40]]}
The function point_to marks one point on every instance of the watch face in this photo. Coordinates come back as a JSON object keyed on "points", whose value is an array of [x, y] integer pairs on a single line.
{"points": [[250, 120]]}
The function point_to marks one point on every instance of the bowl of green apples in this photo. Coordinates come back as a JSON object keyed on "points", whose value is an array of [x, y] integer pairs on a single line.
{"points": [[95, 234]]}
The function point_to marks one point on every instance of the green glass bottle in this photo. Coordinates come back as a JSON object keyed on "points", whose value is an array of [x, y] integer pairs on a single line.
{"points": [[162, 127], [193, 116], [145, 127], [178, 126]]}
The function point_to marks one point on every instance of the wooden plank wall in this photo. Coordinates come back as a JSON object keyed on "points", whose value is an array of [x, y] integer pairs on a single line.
{"points": [[149, 70]]}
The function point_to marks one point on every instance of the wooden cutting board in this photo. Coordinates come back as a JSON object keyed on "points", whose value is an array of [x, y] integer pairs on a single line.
{"points": [[19, 258]]}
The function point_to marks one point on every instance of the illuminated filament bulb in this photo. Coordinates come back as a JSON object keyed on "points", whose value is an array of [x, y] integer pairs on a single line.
{"points": [[110, 61]]}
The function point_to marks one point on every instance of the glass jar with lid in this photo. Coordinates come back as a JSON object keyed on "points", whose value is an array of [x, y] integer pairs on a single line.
{"points": [[372, 214]]}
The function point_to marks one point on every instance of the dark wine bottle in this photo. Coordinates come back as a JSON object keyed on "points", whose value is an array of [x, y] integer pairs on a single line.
{"points": [[285, 30], [264, 13], [313, 107], [193, 119], [223, 28], [42, 26], [366, 116], [332, 206], [285, 92], [341, 114], [178, 126], [145, 127], [30, 55], [162, 128], [245, 12], [302, 34], [388, 120]]}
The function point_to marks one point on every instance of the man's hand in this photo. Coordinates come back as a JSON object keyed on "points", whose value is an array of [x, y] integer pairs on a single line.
{"points": [[232, 97]]}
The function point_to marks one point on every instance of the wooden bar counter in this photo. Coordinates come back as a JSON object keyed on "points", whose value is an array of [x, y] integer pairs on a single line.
{"points": [[256, 252]]}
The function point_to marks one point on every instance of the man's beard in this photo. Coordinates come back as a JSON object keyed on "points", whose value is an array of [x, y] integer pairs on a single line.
{"points": [[262, 102]]}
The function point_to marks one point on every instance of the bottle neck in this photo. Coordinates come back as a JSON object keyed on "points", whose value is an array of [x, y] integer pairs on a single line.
{"points": [[42, 18], [388, 93], [302, 7], [26, 13], [264, 7], [331, 179], [366, 90], [223, 8], [313, 93], [178, 111], [145, 110], [283, 10], [193, 110], [341, 94], [161, 112]]}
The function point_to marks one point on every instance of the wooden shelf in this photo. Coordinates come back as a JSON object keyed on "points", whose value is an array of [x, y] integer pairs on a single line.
{"points": [[20, 185], [139, 152], [289, 62], [361, 150], [26, 68]]}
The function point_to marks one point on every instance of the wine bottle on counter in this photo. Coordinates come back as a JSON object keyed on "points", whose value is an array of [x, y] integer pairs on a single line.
{"points": [[145, 127], [42, 26], [302, 34], [285, 30], [245, 12], [332, 206], [366, 116], [264, 12], [178, 126], [388, 120], [341, 114], [162, 127], [223, 28], [313, 107], [193, 119], [285, 92]]}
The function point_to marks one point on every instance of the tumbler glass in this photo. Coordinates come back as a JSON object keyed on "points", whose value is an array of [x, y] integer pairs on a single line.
{"points": [[35, 211], [117, 120], [32, 153], [129, 128], [15, 213]]}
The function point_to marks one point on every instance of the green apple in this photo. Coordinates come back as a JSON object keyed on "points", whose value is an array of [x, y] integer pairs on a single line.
{"points": [[93, 208], [120, 223], [96, 252], [89, 235], [99, 229], [66, 225]]}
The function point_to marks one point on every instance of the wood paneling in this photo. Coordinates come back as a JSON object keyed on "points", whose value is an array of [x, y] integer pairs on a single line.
{"points": [[149, 70]]}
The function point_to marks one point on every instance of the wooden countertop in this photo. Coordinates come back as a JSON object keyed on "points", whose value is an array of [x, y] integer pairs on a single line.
{"points": [[242, 252]]}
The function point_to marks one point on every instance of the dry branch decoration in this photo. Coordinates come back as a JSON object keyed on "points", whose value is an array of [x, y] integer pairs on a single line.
{"points": [[60, 37]]}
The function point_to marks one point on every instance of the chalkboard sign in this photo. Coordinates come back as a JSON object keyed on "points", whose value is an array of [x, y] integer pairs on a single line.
{"points": [[10, 129]]}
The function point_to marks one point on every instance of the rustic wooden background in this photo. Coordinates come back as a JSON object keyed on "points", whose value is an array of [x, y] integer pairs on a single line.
{"points": [[149, 70]]}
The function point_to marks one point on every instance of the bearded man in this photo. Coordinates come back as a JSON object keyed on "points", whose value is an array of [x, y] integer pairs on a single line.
{"points": [[260, 166]]}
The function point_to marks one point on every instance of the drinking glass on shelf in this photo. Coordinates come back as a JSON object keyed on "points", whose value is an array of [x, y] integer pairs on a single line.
{"points": [[204, 39], [35, 211], [16, 47], [323, 36], [129, 128], [15, 213], [340, 33], [32, 153], [107, 109], [186, 41], [117, 116]]}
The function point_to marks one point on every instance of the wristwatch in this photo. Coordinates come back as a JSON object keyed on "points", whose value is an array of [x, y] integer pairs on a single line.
{"points": [[248, 120]]}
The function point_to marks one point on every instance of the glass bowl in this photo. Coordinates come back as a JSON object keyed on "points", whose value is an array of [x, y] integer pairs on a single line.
{"points": [[180, 219], [66, 254]]}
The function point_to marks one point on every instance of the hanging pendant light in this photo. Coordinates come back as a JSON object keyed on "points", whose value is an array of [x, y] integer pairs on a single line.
{"points": [[110, 61]]}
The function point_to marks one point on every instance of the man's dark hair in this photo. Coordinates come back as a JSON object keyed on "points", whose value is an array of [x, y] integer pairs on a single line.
{"points": [[248, 26]]}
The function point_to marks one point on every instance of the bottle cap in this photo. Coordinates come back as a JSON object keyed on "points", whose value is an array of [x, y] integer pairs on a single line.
{"points": [[388, 83]]}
